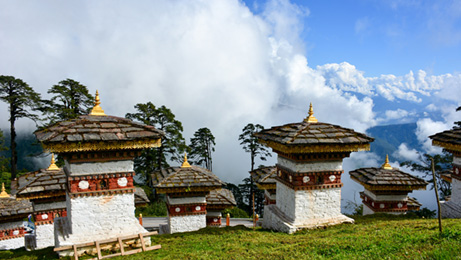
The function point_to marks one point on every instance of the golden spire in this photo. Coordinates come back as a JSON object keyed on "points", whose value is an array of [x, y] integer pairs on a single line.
{"points": [[3, 194], [185, 164], [311, 118], [53, 166], [386, 165], [97, 110]]}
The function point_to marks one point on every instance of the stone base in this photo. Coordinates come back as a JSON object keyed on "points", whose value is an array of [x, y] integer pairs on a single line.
{"points": [[63, 235], [275, 219], [450, 209], [44, 235], [13, 243], [186, 223]]}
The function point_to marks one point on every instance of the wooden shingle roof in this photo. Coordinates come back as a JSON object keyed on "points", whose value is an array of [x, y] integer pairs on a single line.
{"points": [[40, 184], [265, 177], [220, 199], [384, 179], [449, 139], [12, 209], [310, 136], [185, 179], [90, 133]]}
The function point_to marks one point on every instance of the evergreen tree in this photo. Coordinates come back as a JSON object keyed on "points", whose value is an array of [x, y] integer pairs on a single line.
{"points": [[201, 147], [21, 100], [251, 145], [442, 164], [173, 143], [70, 100]]}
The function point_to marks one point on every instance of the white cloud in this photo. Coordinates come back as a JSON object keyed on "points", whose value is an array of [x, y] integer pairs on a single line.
{"points": [[407, 154]]}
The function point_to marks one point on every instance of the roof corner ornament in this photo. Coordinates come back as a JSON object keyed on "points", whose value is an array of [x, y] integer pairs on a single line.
{"points": [[185, 164], [97, 110], [53, 166], [3, 194], [386, 165], [311, 118]]}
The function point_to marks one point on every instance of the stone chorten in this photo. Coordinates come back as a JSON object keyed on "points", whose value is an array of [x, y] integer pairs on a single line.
{"points": [[386, 189], [46, 189], [217, 201], [450, 140], [186, 188], [13, 212], [98, 151], [265, 180], [309, 168]]}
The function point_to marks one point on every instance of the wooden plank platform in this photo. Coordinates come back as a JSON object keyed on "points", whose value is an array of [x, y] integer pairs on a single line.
{"points": [[118, 240]]}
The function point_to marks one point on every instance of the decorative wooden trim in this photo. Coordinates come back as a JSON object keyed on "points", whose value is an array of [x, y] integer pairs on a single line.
{"points": [[101, 192], [42, 195], [213, 221], [388, 206], [309, 180], [456, 172], [50, 216], [101, 156], [310, 187], [101, 146], [314, 148], [6, 234], [455, 149], [186, 190], [187, 209], [100, 182], [314, 157]]}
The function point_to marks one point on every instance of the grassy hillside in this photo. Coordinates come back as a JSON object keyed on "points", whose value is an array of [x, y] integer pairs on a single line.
{"points": [[372, 237]]}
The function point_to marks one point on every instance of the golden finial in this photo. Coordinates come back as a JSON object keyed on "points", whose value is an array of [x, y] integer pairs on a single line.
{"points": [[386, 165], [185, 164], [311, 118], [97, 110], [3, 194], [53, 166]]}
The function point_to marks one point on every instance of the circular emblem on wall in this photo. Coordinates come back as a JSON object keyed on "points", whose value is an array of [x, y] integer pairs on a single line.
{"points": [[400, 205], [457, 170], [198, 208], [332, 178], [280, 173], [381, 206], [215, 220], [44, 216], [83, 185], [290, 178], [177, 209], [373, 204], [122, 182], [306, 179], [16, 232]]}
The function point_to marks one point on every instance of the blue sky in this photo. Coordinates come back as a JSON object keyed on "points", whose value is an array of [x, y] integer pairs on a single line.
{"points": [[382, 37]]}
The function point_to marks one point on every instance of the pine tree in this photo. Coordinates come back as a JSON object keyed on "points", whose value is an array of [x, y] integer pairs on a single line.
{"points": [[22, 100], [173, 143], [70, 100], [201, 147]]}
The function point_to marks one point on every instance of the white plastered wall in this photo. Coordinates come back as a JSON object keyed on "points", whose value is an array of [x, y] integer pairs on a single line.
{"points": [[311, 166], [13, 243], [97, 218], [99, 167], [186, 223], [44, 235]]}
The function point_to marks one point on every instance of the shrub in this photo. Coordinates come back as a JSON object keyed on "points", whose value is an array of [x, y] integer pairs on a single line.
{"points": [[235, 213]]}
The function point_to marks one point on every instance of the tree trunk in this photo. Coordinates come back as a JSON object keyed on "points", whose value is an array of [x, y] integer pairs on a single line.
{"points": [[14, 153]]}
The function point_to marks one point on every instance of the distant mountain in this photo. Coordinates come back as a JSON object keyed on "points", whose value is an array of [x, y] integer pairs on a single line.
{"points": [[28, 148], [389, 137]]}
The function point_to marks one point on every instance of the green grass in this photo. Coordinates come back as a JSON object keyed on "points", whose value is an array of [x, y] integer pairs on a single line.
{"points": [[372, 237]]}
